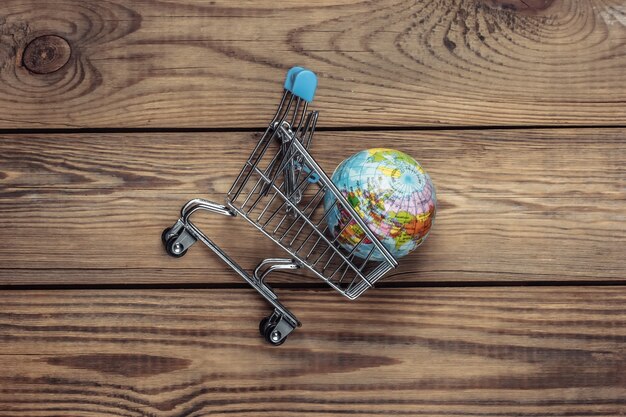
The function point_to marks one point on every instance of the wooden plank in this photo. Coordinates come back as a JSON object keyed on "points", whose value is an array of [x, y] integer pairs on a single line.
{"points": [[215, 64], [513, 204], [457, 351]]}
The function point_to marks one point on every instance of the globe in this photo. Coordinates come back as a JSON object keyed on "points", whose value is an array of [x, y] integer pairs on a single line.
{"points": [[394, 196]]}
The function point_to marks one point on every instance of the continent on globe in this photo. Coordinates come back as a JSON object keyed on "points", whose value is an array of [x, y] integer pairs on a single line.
{"points": [[394, 196]]}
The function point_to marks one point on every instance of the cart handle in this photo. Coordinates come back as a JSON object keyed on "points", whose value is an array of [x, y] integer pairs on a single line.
{"points": [[291, 76], [301, 82]]}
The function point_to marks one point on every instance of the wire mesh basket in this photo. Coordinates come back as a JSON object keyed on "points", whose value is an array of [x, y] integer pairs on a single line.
{"points": [[281, 191]]}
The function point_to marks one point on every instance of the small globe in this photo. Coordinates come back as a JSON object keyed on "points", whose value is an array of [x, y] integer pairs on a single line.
{"points": [[392, 193]]}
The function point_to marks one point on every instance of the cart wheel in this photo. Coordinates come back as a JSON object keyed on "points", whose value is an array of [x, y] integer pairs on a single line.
{"points": [[270, 335], [173, 249], [262, 325], [165, 235]]}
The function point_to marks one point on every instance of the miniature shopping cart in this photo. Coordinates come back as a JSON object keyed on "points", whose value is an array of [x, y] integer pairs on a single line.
{"points": [[280, 191]]}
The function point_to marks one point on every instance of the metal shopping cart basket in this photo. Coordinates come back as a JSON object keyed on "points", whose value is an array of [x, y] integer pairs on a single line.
{"points": [[280, 191]]}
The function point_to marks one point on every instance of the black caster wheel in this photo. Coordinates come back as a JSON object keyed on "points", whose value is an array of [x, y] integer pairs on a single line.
{"points": [[165, 235], [174, 249], [271, 335], [263, 324]]}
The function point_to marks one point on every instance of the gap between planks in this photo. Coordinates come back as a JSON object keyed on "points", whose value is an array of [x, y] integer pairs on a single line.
{"points": [[310, 286], [390, 128]]}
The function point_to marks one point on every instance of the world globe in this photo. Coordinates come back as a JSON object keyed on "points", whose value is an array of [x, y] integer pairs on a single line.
{"points": [[394, 196]]}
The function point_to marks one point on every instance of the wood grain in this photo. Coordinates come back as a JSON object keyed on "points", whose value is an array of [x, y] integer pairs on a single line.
{"points": [[431, 352], [185, 63], [513, 205]]}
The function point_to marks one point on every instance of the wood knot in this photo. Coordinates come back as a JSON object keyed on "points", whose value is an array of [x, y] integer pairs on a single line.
{"points": [[46, 54]]}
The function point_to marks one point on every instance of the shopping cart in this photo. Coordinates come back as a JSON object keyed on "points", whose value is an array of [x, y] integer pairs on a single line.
{"points": [[280, 191]]}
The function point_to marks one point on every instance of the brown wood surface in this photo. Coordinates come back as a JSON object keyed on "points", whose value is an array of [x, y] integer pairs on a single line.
{"points": [[171, 94], [513, 204], [194, 63], [427, 352]]}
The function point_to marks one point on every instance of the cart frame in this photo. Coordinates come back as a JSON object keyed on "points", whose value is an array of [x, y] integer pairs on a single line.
{"points": [[275, 184]]}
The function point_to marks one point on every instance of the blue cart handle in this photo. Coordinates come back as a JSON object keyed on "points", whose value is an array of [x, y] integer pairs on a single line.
{"points": [[301, 82]]}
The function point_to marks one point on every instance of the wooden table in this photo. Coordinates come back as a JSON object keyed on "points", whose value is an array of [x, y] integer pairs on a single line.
{"points": [[114, 113]]}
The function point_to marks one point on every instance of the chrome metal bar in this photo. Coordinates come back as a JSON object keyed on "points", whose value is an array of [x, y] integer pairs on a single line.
{"points": [[367, 258], [374, 276], [295, 111], [278, 209], [330, 258], [276, 121], [305, 140], [254, 282], [301, 119], [262, 175], [267, 206], [350, 257], [319, 258], [275, 265], [201, 204], [319, 237], [251, 193], [298, 189], [283, 157], [339, 196], [285, 161], [308, 137], [293, 223], [343, 275], [305, 240], [304, 212], [301, 214]]}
